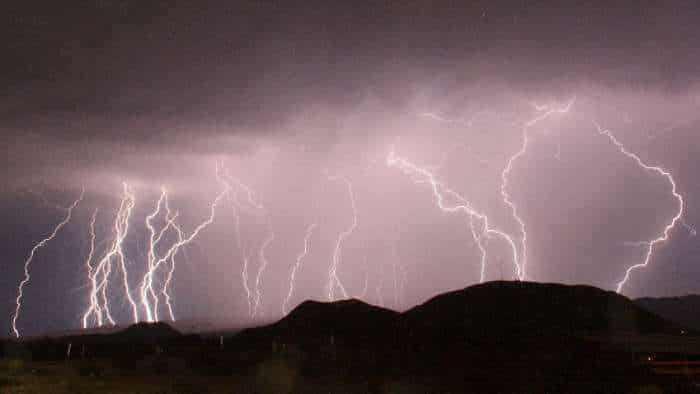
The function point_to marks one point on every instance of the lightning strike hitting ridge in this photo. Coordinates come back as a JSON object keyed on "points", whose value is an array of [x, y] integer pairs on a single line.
{"points": [[93, 279], [237, 206], [170, 218], [241, 252], [333, 279], [147, 283], [297, 265], [482, 249], [27, 262], [244, 279], [261, 269], [543, 112], [182, 240], [423, 175], [151, 258], [102, 271], [665, 234]]}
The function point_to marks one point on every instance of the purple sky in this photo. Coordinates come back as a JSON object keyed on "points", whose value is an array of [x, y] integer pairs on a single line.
{"points": [[294, 99]]}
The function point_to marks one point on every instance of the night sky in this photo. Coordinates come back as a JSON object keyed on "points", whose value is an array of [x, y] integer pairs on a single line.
{"points": [[303, 102]]}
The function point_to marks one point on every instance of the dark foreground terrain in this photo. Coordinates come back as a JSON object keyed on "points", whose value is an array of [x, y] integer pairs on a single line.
{"points": [[497, 337]]}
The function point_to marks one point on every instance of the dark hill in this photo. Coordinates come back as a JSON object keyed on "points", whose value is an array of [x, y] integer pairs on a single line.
{"points": [[526, 309], [139, 333], [503, 312], [337, 315], [492, 337], [495, 337], [313, 323], [684, 311], [147, 332]]}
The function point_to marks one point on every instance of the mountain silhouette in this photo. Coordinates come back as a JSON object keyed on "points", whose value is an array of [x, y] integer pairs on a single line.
{"points": [[524, 309], [349, 322], [493, 337], [511, 313], [147, 332], [680, 310]]}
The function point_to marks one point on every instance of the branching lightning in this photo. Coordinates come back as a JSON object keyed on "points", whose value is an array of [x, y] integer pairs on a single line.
{"points": [[101, 272], [93, 279], [333, 280], [181, 242], [422, 175], [297, 265], [27, 262], [237, 206], [543, 112], [675, 219], [263, 264]]}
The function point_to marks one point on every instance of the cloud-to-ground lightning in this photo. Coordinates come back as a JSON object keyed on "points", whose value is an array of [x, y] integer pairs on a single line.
{"points": [[181, 242], [237, 206], [261, 269], [333, 280], [422, 175], [543, 112], [170, 218], [663, 236], [244, 279], [94, 302], [147, 283], [363, 294], [478, 239], [27, 263], [297, 265], [102, 270]]}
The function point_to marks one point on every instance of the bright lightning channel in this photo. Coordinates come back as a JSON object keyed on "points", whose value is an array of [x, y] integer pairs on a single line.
{"points": [[263, 264], [333, 280], [676, 218], [93, 278], [422, 175], [101, 272], [543, 112], [183, 241], [27, 262], [237, 207], [297, 265]]}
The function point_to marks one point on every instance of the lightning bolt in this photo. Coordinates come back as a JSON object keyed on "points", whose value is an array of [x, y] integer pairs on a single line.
{"points": [[28, 262], [94, 303], [152, 257], [237, 206], [675, 219], [543, 112], [480, 244], [147, 283], [363, 294], [170, 218], [183, 241], [440, 192], [244, 278], [263, 264], [333, 279], [100, 274], [242, 252], [297, 265]]}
